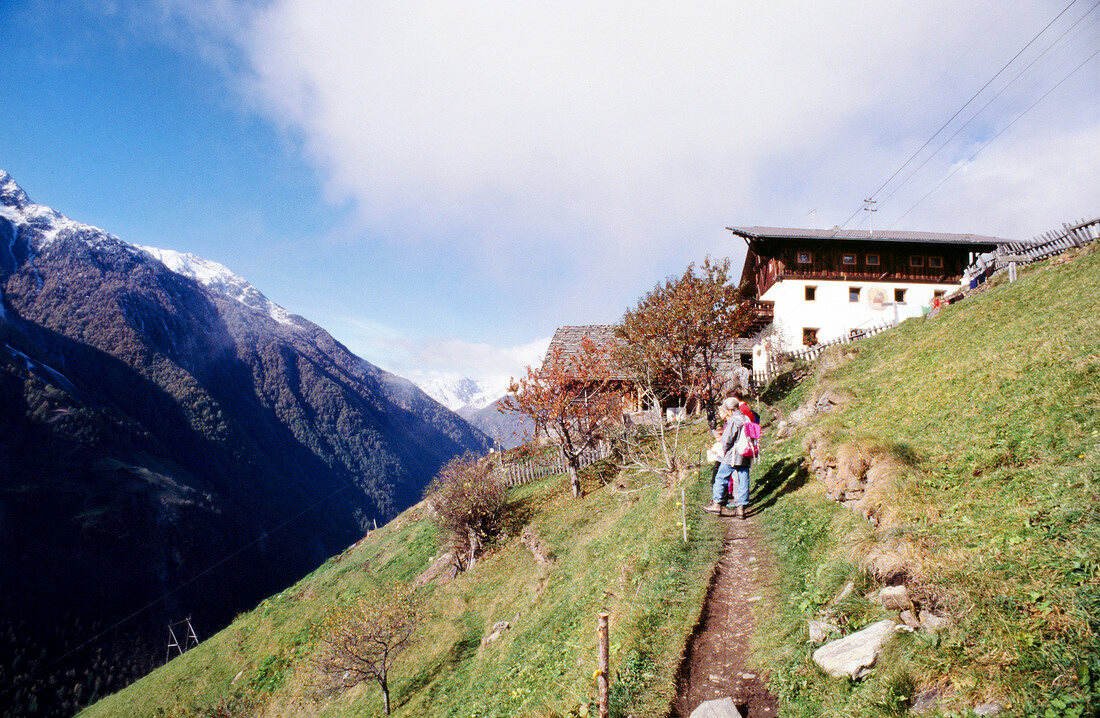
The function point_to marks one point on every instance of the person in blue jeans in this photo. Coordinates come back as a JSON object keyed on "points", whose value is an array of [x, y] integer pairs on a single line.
{"points": [[731, 464]]}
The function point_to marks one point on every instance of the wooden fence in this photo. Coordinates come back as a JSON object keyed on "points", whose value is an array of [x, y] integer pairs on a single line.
{"points": [[536, 468], [761, 377], [1008, 256]]}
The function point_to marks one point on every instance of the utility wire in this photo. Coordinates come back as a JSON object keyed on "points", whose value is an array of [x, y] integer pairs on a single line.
{"points": [[952, 118], [973, 97], [991, 100], [38, 670], [986, 143]]}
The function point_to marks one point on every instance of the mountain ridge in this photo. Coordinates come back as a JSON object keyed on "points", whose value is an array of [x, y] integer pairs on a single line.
{"points": [[151, 424]]}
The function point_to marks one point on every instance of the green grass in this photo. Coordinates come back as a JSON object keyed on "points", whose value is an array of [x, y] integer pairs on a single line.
{"points": [[992, 407], [615, 551]]}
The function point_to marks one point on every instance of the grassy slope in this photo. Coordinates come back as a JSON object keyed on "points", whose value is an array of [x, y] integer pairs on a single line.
{"points": [[992, 410], [615, 551]]}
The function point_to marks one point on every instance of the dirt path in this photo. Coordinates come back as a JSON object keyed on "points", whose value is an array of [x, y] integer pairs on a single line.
{"points": [[714, 666]]}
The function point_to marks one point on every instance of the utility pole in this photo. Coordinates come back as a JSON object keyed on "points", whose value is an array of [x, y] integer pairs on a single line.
{"points": [[869, 207], [190, 639]]}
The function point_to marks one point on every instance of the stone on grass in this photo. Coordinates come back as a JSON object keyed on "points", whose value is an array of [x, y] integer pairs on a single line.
{"points": [[931, 623], [895, 598], [988, 709], [853, 655], [910, 619], [819, 630], [717, 708]]}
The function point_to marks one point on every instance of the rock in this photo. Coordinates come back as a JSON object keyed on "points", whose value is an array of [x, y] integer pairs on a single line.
{"points": [[502, 625], [926, 700], [910, 619], [718, 708], [895, 598], [988, 709], [493, 636], [853, 655], [931, 623], [819, 630], [782, 430]]}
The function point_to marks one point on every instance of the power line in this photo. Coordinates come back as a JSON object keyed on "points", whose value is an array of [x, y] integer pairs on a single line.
{"points": [[972, 98], [991, 101], [38, 671], [986, 143], [952, 118]]}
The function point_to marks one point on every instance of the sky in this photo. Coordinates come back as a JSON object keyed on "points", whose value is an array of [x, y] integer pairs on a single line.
{"points": [[440, 185]]}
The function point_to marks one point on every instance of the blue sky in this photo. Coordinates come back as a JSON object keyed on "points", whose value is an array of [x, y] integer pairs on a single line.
{"points": [[440, 186]]}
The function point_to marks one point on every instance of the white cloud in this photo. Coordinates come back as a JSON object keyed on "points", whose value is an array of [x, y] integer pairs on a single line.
{"points": [[578, 151]]}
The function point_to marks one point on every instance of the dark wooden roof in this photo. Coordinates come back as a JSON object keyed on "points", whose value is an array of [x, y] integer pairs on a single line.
{"points": [[858, 235], [568, 340]]}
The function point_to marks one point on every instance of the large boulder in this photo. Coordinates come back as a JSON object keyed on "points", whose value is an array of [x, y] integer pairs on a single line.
{"points": [[855, 654]]}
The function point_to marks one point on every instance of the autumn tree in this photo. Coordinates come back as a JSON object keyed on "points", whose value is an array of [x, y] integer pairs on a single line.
{"points": [[469, 502], [573, 397], [678, 336], [360, 640]]}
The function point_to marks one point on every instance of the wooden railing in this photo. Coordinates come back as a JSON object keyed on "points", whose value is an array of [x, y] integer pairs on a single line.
{"points": [[761, 377], [538, 467], [1008, 256]]}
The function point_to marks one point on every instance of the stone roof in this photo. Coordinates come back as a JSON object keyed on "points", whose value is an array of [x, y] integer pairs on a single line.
{"points": [[860, 235], [568, 339]]}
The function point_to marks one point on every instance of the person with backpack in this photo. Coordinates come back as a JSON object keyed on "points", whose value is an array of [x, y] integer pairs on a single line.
{"points": [[735, 420]]}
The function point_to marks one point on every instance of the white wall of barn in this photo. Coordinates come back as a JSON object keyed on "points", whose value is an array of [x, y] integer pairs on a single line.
{"points": [[834, 311]]}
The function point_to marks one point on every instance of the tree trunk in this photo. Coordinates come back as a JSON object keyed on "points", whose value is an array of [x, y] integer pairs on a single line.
{"points": [[386, 696], [574, 480]]}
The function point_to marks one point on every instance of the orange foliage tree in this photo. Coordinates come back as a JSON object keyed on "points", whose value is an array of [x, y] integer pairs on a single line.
{"points": [[573, 397], [680, 333]]}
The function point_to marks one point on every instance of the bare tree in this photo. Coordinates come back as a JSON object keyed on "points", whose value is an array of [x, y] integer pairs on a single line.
{"points": [[360, 640]]}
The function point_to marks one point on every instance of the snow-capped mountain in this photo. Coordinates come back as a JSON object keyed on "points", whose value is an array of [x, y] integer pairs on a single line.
{"points": [[462, 392], [157, 412], [219, 278]]}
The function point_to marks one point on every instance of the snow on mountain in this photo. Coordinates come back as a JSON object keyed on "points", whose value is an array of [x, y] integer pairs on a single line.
{"points": [[45, 224], [458, 392], [221, 279]]}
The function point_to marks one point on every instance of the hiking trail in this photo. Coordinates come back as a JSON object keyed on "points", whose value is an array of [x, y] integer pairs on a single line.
{"points": [[715, 665]]}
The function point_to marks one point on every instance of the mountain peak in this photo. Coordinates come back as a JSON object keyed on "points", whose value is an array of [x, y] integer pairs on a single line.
{"points": [[221, 279], [11, 194], [44, 224]]}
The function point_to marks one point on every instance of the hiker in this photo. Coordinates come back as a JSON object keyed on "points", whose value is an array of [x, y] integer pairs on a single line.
{"points": [[735, 420]]}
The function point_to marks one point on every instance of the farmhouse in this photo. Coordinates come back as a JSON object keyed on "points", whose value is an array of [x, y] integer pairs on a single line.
{"points": [[812, 285], [566, 344]]}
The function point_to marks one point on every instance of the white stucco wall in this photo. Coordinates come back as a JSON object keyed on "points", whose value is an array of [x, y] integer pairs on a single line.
{"points": [[833, 314]]}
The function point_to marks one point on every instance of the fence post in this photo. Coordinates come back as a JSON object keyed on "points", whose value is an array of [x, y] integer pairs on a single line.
{"points": [[684, 513], [1012, 271], [604, 665]]}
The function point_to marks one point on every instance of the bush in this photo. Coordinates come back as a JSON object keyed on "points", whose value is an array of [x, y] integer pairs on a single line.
{"points": [[469, 502]]}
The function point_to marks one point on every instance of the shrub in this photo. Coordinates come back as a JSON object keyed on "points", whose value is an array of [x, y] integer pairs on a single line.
{"points": [[469, 502]]}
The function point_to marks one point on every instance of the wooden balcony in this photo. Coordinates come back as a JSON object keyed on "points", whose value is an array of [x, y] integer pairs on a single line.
{"points": [[761, 314]]}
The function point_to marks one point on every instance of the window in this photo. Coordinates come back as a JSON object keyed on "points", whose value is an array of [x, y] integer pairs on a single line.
{"points": [[935, 262], [938, 293], [916, 260], [899, 296], [871, 260], [809, 336], [805, 258], [811, 294], [849, 259], [853, 294]]}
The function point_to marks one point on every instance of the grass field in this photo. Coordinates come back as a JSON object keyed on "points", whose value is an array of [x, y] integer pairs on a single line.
{"points": [[616, 551], [991, 412]]}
